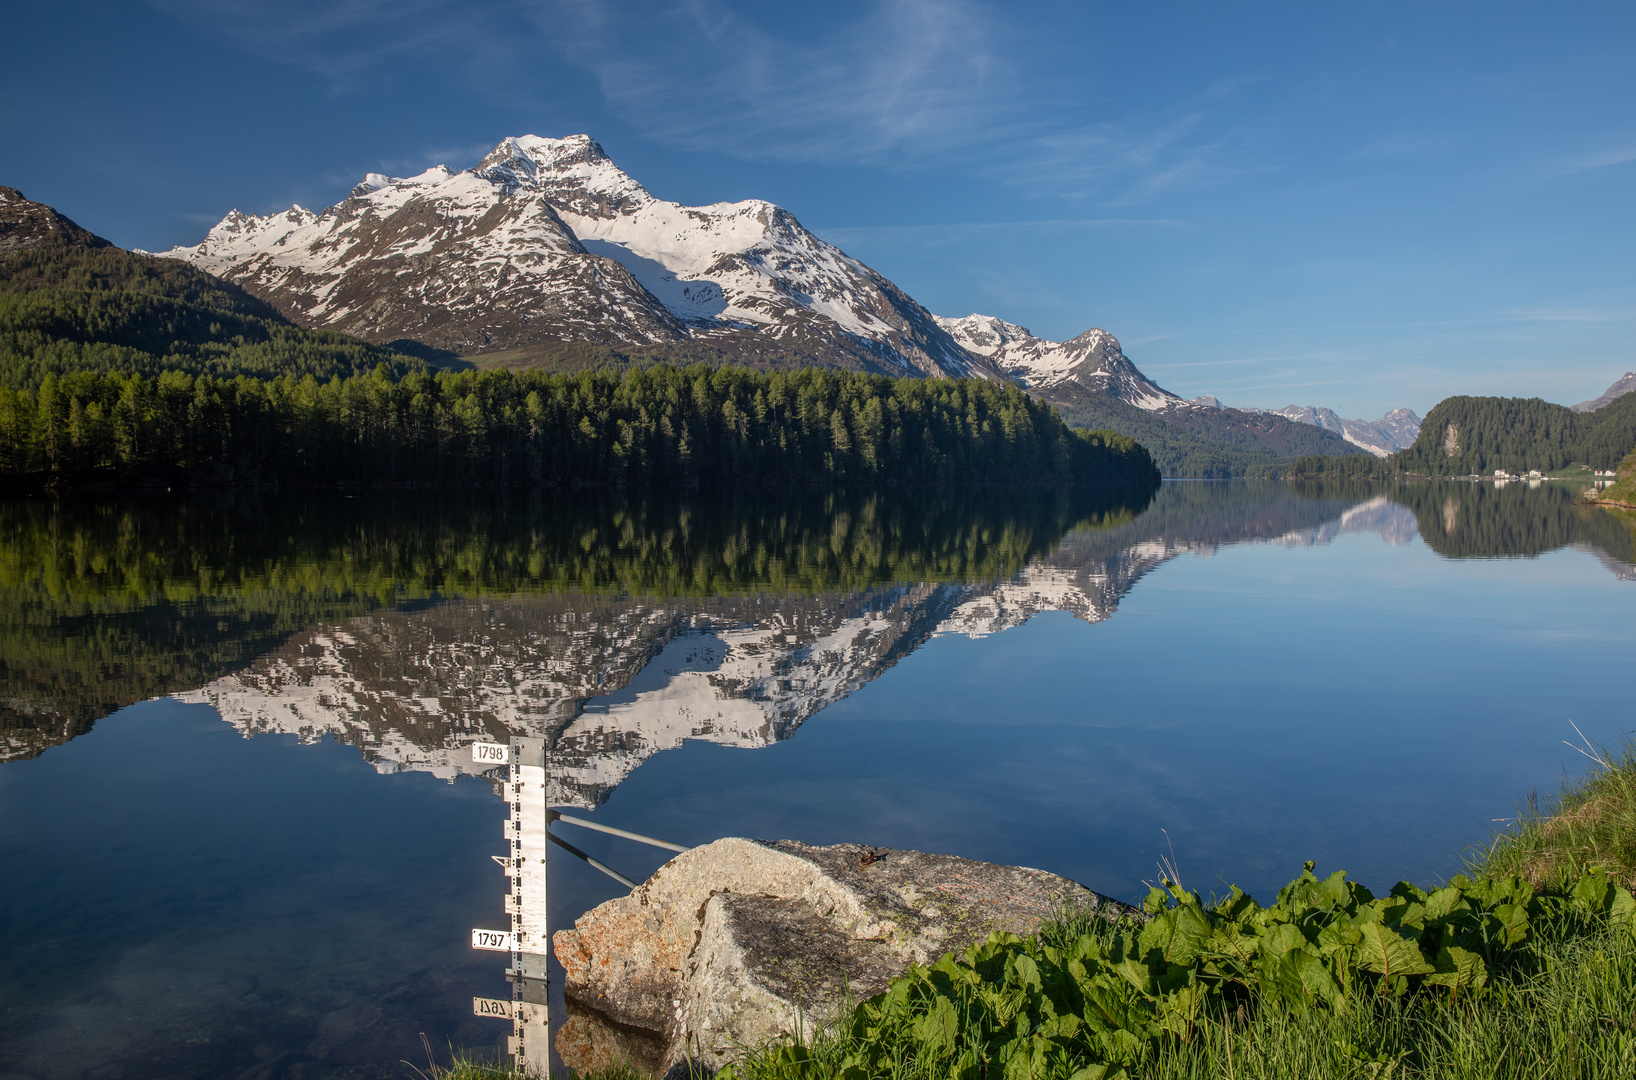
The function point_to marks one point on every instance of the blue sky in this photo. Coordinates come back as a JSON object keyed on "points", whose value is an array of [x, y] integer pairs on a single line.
{"points": [[1361, 206]]}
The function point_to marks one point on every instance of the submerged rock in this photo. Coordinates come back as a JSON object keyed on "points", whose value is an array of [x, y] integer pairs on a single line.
{"points": [[740, 941]]}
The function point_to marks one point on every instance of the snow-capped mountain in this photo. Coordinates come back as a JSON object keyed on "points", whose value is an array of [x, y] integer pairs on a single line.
{"points": [[1392, 432], [1619, 389], [547, 242], [1091, 362]]}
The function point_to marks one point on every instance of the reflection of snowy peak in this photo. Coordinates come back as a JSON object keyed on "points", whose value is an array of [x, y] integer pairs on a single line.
{"points": [[1091, 362], [546, 241], [1392, 522], [1012, 603], [610, 682]]}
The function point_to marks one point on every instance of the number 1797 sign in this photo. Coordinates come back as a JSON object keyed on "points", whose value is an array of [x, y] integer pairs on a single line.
{"points": [[492, 940]]}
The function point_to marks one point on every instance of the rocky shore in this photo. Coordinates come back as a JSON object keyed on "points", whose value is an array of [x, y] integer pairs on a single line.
{"points": [[741, 941]]}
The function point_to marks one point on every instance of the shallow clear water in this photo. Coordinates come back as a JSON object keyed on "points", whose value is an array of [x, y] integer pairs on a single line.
{"points": [[1238, 676]]}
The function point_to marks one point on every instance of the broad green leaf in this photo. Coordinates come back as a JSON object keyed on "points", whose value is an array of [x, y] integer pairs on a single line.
{"points": [[1280, 940], [1410, 916], [1137, 975], [1445, 902], [936, 1030], [1593, 891], [1623, 908], [1023, 971], [1093, 1072], [1238, 905], [1513, 920], [1458, 970], [1179, 934], [1301, 979], [1179, 1011], [1385, 952]]}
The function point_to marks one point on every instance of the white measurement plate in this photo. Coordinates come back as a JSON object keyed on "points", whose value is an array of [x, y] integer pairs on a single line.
{"points": [[488, 753], [494, 1007], [492, 940]]}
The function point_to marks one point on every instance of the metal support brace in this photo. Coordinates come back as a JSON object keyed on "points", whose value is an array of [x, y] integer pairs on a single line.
{"points": [[611, 831]]}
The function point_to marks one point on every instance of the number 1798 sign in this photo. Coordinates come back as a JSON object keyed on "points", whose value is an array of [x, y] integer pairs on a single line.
{"points": [[487, 753]]}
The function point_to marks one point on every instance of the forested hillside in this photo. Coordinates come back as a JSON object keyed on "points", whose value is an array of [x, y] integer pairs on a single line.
{"points": [[1179, 452], [72, 302], [654, 425], [1463, 436]]}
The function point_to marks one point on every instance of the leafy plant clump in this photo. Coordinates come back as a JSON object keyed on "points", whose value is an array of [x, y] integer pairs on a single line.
{"points": [[1339, 976]]}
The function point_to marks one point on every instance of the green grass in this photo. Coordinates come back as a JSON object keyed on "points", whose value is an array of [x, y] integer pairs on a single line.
{"points": [[1590, 823]]}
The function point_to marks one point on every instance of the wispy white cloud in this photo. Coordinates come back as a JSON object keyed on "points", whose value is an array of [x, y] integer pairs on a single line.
{"points": [[902, 84], [1603, 159]]}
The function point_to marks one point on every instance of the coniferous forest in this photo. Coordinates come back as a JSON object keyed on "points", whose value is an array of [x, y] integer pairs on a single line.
{"points": [[646, 426]]}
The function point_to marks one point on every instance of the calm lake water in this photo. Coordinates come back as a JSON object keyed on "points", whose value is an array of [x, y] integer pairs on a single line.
{"points": [[241, 834]]}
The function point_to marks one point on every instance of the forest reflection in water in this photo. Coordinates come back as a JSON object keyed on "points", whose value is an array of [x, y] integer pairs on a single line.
{"points": [[186, 902], [617, 625]]}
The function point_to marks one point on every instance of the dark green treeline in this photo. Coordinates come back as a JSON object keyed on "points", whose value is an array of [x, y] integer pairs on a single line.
{"points": [[651, 426]]}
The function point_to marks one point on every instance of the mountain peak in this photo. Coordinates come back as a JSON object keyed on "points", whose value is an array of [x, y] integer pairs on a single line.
{"points": [[1394, 431], [987, 335], [1618, 390], [1090, 362], [573, 173], [25, 224]]}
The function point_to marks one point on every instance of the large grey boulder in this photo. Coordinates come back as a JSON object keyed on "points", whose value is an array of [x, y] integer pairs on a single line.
{"points": [[740, 941]]}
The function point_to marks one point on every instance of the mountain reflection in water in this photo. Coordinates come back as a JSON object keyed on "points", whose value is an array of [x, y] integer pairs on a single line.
{"points": [[616, 627]]}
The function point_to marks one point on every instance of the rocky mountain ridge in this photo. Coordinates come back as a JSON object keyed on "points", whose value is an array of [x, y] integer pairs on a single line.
{"points": [[1624, 385], [1091, 362], [25, 223], [1398, 429], [546, 242]]}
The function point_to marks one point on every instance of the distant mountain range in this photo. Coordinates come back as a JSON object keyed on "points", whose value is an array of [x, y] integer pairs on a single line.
{"points": [[1394, 431]]}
